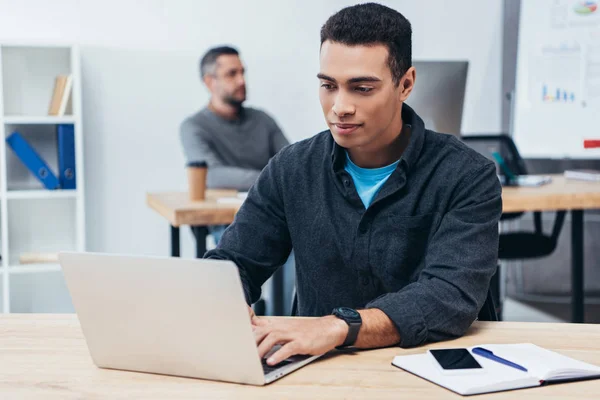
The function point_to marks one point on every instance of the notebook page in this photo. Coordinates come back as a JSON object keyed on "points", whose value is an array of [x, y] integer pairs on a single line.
{"points": [[495, 377], [542, 363]]}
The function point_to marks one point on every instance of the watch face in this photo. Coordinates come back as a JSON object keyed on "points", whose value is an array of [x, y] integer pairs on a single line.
{"points": [[349, 313]]}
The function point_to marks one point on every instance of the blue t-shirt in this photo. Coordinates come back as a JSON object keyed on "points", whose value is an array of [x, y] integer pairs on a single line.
{"points": [[368, 181]]}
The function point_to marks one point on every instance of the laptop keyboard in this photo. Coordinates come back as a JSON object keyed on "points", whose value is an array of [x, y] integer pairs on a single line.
{"points": [[270, 368]]}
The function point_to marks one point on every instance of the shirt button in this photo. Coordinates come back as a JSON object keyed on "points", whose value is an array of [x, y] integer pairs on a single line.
{"points": [[347, 182], [365, 280], [363, 229]]}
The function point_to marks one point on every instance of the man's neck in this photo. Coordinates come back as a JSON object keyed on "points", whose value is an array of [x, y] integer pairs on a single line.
{"points": [[224, 110], [386, 154]]}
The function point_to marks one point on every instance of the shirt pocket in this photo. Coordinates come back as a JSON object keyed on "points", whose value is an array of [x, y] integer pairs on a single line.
{"points": [[399, 245]]}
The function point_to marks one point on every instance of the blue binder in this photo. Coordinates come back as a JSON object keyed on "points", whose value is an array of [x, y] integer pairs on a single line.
{"points": [[32, 160], [65, 136]]}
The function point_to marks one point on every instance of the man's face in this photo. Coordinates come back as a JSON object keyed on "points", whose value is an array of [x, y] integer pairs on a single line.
{"points": [[360, 101], [228, 82]]}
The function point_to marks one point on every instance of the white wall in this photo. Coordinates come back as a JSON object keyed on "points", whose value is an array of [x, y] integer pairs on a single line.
{"points": [[139, 61]]}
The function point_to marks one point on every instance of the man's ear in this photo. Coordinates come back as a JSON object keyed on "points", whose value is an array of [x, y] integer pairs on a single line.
{"points": [[406, 84], [209, 81]]}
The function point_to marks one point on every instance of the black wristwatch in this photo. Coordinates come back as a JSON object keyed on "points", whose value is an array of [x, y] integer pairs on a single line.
{"points": [[354, 321]]}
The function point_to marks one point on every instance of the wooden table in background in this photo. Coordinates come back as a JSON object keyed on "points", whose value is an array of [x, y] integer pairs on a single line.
{"points": [[45, 357], [179, 210], [561, 194]]}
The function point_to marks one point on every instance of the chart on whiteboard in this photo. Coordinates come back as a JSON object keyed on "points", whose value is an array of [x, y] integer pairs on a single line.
{"points": [[557, 103], [556, 75]]}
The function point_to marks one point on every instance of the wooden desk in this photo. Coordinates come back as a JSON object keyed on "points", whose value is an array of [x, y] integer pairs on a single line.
{"points": [[45, 357], [561, 194], [179, 210]]}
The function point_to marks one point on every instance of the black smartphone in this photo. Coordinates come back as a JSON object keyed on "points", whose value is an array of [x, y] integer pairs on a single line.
{"points": [[455, 359]]}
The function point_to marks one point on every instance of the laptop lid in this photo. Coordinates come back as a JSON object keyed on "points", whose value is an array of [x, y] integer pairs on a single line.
{"points": [[183, 317]]}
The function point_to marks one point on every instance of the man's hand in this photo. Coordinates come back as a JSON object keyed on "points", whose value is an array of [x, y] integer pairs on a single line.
{"points": [[315, 336], [309, 336], [252, 315]]}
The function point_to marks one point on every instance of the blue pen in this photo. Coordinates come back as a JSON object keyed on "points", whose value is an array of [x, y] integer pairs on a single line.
{"points": [[480, 351]]}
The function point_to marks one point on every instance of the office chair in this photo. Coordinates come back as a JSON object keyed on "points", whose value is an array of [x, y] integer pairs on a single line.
{"points": [[522, 244], [504, 145], [487, 312]]}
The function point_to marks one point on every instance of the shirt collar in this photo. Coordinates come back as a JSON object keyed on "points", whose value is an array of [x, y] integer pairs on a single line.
{"points": [[369, 173]]}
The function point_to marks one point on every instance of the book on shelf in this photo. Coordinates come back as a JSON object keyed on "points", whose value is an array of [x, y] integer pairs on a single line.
{"points": [[38, 258], [33, 161], [65, 143], [61, 95]]}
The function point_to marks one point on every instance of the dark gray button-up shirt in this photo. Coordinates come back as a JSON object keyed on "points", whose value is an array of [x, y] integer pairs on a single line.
{"points": [[423, 252]]}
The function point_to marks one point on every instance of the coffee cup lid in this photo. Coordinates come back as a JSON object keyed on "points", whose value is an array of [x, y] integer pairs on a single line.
{"points": [[197, 164]]}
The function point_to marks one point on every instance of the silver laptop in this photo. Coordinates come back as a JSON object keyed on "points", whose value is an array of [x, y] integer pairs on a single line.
{"points": [[170, 316]]}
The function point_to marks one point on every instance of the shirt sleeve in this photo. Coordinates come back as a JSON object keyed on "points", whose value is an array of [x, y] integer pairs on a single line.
{"points": [[258, 241], [196, 148], [461, 258]]}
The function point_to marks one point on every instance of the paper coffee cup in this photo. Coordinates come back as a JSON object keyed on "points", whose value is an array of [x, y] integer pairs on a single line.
{"points": [[196, 172]]}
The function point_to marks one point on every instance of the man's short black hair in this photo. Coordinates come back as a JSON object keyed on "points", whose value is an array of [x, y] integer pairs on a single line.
{"points": [[371, 24], [209, 60]]}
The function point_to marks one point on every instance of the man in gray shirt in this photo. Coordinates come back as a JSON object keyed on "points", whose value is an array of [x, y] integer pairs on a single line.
{"points": [[235, 141]]}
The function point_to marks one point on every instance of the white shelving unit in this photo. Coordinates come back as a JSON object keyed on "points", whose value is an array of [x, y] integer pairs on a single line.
{"points": [[41, 194], [33, 219], [48, 120]]}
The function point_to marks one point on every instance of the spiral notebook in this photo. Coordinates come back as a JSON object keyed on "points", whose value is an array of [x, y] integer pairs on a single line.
{"points": [[544, 367]]}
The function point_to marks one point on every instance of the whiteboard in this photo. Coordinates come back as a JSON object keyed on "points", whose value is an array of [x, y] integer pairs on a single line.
{"points": [[557, 103]]}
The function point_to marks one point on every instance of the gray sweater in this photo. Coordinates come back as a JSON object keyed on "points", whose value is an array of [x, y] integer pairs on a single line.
{"points": [[235, 150]]}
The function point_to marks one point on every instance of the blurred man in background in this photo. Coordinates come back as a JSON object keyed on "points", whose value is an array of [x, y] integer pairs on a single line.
{"points": [[235, 141]]}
